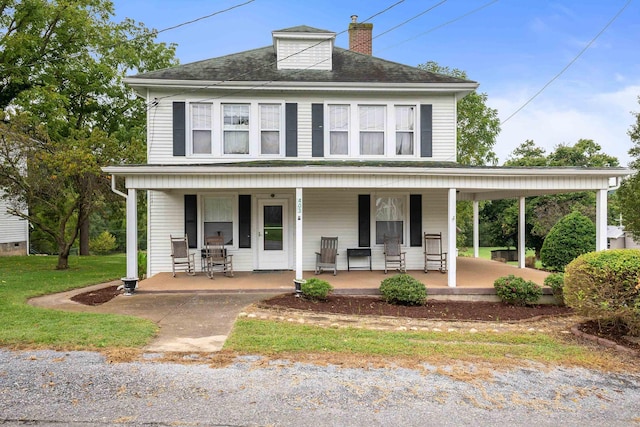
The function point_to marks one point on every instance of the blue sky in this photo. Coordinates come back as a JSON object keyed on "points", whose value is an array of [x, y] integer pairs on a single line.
{"points": [[511, 47]]}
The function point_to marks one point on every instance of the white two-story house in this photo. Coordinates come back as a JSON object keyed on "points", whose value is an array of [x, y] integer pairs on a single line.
{"points": [[278, 146]]}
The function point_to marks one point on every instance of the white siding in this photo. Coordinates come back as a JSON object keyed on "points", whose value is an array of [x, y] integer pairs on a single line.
{"points": [[326, 212], [160, 122], [12, 228], [297, 54]]}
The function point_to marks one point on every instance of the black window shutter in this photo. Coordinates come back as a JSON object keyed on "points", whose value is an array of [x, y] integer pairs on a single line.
{"points": [[291, 127], [426, 130], [415, 220], [244, 220], [364, 220], [191, 219], [317, 130], [179, 128]]}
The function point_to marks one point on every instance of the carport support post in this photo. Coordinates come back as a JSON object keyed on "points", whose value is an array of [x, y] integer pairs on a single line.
{"points": [[521, 232], [131, 281], [298, 278], [601, 220], [451, 244], [476, 229]]}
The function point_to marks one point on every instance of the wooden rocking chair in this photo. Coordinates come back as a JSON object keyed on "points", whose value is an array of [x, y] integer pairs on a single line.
{"points": [[180, 256], [217, 258], [393, 255], [433, 252], [327, 257]]}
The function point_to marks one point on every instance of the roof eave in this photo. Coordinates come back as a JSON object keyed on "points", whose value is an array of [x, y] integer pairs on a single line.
{"points": [[138, 83], [366, 170]]}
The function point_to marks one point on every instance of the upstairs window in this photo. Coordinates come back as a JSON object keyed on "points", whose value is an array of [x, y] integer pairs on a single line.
{"points": [[235, 128], [270, 123], [201, 128], [338, 129], [372, 129], [405, 130]]}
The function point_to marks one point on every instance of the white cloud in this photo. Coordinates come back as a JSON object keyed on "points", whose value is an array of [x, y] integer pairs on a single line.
{"points": [[604, 117]]}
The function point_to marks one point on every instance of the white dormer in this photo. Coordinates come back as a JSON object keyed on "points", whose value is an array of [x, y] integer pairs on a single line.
{"points": [[303, 48]]}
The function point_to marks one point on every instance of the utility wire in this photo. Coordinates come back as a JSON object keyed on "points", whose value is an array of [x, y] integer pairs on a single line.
{"points": [[554, 78], [146, 34], [203, 17], [410, 19], [442, 25], [155, 101]]}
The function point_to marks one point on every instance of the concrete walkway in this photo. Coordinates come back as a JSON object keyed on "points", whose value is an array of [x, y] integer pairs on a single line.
{"points": [[196, 314], [189, 321]]}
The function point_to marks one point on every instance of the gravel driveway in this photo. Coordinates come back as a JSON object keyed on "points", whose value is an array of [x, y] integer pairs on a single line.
{"points": [[82, 389]]}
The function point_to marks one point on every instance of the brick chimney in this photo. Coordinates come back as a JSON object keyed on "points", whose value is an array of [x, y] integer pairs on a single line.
{"points": [[360, 36]]}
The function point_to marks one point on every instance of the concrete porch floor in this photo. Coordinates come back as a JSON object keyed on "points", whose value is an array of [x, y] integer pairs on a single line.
{"points": [[475, 277]]}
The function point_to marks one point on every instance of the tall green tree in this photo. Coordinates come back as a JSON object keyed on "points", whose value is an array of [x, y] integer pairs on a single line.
{"points": [[63, 63], [543, 212], [478, 125], [629, 192]]}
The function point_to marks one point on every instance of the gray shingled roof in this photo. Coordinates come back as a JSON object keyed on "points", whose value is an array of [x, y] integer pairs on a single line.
{"points": [[303, 29], [260, 65]]}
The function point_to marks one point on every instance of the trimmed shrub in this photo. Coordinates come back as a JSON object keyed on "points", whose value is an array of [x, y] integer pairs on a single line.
{"points": [[402, 289], [103, 244], [573, 235], [604, 286], [316, 289], [556, 282], [517, 291]]}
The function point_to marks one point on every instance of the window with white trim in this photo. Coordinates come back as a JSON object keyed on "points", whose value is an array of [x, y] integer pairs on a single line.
{"points": [[338, 129], [235, 128], [200, 128], [372, 129], [390, 217], [218, 214], [270, 122], [405, 129]]}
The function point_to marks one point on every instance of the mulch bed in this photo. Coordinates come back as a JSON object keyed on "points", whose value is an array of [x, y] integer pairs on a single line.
{"points": [[97, 297], [433, 309]]}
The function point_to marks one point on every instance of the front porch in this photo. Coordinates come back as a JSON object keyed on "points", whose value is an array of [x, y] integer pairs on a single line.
{"points": [[475, 279]]}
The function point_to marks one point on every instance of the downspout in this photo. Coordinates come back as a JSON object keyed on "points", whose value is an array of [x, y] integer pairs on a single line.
{"points": [[115, 190], [131, 281]]}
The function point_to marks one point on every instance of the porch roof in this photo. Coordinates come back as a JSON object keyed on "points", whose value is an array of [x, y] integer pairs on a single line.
{"points": [[472, 183]]}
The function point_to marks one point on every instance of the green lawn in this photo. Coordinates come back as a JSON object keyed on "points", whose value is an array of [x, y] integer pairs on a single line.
{"points": [[23, 325], [485, 252], [278, 339]]}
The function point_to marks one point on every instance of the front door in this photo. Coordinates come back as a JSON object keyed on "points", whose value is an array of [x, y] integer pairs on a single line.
{"points": [[273, 242]]}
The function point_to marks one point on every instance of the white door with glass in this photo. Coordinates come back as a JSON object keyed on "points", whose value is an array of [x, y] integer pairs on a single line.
{"points": [[273, 235]]}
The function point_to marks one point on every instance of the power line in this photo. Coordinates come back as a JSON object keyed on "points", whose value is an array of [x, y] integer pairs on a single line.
{"points": [[204, 17], [442, 25], [147, 34], [156, 100], [554, 78], [411, 19]]}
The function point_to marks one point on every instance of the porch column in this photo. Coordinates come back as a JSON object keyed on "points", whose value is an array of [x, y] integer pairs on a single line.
{"points": [[298, 233], [451, 232], [601, 220], [476, 229], [521, 232], [131, 280]]}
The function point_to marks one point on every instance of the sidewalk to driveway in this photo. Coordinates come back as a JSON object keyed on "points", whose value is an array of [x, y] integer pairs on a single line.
{"points": [[189, 322]]}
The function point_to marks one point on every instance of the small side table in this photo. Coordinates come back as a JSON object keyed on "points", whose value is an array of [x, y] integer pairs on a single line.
{"points": [[358, 253]]}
